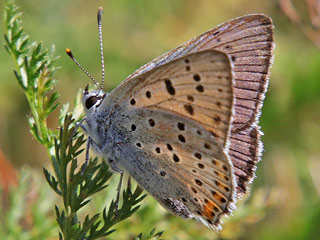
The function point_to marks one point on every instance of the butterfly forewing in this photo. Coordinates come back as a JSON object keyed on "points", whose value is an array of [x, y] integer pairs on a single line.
{"points": [[248, 40], [198, 86]]}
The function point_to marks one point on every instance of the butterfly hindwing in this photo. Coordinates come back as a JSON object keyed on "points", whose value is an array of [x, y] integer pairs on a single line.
{"points": [[178, 162]]}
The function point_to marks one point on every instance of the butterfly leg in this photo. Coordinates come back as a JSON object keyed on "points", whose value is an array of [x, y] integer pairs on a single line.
{"points": [[79, 124], [113, 166], [116, 169], [89, 142]]}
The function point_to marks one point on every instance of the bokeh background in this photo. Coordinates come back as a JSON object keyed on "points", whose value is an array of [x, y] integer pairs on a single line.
{"points": [[284, 201]]}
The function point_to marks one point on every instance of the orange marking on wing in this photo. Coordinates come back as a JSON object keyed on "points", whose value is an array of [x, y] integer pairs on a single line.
{"points": [[208, 209]]}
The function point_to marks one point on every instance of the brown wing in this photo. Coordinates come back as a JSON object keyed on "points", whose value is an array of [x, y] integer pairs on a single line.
{"points": [[178, 162], [176, 119], [249, 42], [198, 86]]}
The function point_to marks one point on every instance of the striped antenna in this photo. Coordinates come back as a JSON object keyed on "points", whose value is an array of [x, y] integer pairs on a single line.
{"points": [[68, 51], [101, 45]]}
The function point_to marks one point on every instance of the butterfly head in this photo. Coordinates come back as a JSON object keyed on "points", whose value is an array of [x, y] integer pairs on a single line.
{"points": [[91, 100]]}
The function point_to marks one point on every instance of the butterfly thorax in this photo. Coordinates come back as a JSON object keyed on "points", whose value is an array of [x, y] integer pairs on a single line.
{"points": [[97, 119]]}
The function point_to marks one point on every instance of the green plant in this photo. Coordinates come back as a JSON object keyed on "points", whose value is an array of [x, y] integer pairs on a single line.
{"points": [[34, 70], [25, 209]]}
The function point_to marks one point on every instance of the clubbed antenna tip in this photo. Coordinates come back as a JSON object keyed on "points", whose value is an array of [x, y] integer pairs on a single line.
{"points": [[68, 51], [101, 45]]}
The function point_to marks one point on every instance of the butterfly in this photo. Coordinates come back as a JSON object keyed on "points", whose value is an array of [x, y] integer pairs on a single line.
{"points": [[185, 125]]}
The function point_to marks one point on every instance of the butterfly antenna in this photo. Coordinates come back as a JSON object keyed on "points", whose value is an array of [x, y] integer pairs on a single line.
{"points": [[101, 45], [68, 51]]}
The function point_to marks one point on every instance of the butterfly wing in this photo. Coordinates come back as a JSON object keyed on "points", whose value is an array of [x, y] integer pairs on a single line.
{"points": [[198, 86], [172, 127], [178, 162], [249, 42]]}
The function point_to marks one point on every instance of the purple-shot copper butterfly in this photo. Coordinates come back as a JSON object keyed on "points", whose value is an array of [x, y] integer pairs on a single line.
{"points": [[185, 125]]}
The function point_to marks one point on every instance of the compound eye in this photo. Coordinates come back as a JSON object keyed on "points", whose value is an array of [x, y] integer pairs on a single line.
{"points": [[91, 101]]}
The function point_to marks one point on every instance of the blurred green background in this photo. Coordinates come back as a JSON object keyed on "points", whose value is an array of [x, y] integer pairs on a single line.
{"points": [[284, 202]]}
